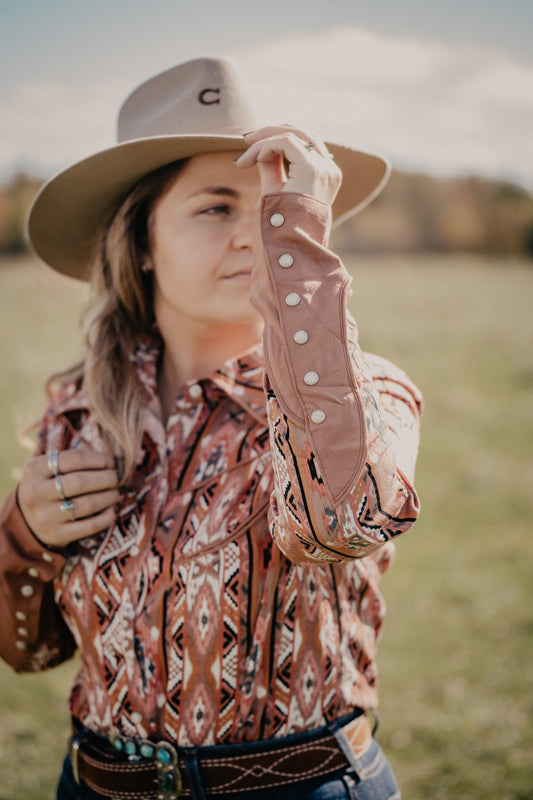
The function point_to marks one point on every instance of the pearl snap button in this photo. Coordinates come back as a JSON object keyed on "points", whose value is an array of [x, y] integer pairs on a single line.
{"points": [[286, 260], [195, 391], [318, 416], [27, 590], [23, 632], [21, 645], [301, 337], [136, 718], [47, 557], [292, 299], [34, 573], [134, 550], [311, 377], [21, 616], [277, 220]]}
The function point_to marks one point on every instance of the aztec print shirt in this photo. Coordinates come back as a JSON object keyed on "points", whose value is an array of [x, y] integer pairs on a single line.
{"points": [[236, 596]]}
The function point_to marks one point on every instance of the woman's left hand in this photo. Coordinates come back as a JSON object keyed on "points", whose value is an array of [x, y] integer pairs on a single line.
{"points": [[311, 170]]}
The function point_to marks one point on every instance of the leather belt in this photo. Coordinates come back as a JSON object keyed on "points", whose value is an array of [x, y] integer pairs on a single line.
{"points": [[166, 772]]}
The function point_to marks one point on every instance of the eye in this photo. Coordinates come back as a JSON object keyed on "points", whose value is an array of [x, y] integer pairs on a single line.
{"points": [[220, 209]]}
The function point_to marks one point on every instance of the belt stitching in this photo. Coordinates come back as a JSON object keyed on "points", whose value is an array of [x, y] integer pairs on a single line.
{"points": [[286, 752], [128, 767]]}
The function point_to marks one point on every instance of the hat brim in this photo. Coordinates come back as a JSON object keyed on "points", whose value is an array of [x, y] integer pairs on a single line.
{"points": [[72, 208]]}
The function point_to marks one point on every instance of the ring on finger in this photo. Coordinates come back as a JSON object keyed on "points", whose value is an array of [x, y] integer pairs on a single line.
{"points": [[53, 462], [69, 506], [59, 486], [310, 144]]}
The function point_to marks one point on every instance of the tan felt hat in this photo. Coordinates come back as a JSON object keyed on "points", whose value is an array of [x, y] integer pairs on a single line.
{"points": [[201, 106]]}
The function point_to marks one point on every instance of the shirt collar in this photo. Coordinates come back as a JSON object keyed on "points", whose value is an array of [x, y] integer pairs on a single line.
{"points": [[240, 378]]}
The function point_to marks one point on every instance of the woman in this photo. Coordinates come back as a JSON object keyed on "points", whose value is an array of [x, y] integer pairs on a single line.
{"points": [[206, 517]]}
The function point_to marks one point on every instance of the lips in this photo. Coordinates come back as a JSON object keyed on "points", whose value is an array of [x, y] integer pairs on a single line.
{"points": [[241, 273]]}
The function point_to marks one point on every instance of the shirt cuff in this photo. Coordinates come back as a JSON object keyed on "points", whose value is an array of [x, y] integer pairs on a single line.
{"points": [[300, 287]]}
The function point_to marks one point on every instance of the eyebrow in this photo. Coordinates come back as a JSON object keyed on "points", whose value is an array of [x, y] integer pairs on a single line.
{"points": [[217, 190]]}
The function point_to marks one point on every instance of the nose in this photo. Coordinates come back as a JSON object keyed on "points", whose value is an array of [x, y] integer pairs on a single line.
{"points": [[243, 232]]}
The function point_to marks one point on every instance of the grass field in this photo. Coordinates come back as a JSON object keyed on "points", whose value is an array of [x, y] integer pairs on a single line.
{"points": [[456, 656]]}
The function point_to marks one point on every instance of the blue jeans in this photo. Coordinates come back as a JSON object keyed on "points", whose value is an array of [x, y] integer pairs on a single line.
{"points": [[368, 778]]}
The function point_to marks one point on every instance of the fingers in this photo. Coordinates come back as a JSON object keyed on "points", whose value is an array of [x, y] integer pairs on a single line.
{"points": [[74, 460], [75, 511], [310, 170], [74, 484], [69, 495], [309, 139]]}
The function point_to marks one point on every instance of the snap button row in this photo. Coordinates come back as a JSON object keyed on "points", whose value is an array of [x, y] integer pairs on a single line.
{"points": [[301, 336]]}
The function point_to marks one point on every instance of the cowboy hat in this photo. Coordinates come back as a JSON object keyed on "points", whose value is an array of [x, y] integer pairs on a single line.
{"points": [[201, 106]]}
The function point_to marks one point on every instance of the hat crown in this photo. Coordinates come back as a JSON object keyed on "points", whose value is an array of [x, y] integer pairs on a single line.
{"points": [[204, 96]]}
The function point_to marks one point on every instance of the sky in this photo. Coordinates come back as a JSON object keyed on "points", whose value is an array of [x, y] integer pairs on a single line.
{"points": [[441, 88]]}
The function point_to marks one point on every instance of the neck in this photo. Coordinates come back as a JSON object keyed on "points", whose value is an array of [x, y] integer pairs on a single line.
{"points": [[195, 354]]}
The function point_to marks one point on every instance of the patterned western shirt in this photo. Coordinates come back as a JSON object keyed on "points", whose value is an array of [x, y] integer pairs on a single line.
{"points": [[236, 595]]}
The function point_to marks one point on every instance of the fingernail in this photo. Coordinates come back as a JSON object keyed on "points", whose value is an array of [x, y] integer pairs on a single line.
{"points": [[236, 159], [248, 133]]}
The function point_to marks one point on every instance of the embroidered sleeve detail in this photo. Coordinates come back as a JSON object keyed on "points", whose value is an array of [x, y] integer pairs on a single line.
{"points": [[342, 458]]}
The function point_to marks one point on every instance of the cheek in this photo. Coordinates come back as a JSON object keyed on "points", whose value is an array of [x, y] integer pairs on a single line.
{"points": [[187, 259]]}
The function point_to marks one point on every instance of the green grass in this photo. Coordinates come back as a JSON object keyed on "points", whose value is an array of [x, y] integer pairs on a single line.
{"points": [[455, 659]]}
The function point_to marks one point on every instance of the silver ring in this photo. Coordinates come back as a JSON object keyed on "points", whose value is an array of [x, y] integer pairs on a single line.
{"points": [[68, 507], [53, 462], [59, 486], [310, 144]]}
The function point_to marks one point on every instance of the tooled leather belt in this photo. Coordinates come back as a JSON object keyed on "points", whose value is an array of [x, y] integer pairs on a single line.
{"points": [[146, 770]]}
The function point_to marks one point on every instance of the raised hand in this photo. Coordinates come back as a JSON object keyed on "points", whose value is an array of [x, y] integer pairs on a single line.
{"points": [[291, 160]]}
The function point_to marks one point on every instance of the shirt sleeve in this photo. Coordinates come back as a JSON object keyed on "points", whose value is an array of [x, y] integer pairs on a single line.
{"points": [[33, 635], [344, 430]]}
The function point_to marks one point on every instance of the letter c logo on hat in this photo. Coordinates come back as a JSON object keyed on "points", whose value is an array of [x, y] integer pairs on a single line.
{"points": [[204, 97]]}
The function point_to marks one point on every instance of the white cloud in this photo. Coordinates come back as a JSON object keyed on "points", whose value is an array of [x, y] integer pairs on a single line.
{"points": [[47, 125], [428, 105]]}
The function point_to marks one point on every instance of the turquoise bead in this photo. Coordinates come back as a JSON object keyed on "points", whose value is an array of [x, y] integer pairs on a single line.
{"points": [[163, 756], [147, 750], [130, 748], [118, 744]]}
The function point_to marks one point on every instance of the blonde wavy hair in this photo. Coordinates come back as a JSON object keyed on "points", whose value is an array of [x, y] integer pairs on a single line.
{"points": [[119, 313]]}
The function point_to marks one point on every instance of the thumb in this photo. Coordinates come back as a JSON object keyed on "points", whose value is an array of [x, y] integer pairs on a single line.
{"points": [[271, 169], [271, 173]]}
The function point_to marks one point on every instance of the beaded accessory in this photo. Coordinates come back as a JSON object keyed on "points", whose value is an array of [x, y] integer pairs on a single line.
{"points": [[163, 754]]}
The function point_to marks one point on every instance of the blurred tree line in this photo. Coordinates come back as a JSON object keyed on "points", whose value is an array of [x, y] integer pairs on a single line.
{"points": [[420, 213], [416, 213]]}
